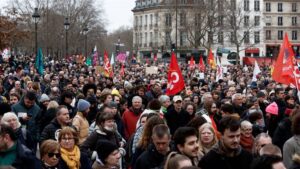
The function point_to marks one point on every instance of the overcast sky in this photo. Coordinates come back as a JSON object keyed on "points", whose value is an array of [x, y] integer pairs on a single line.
{"points": [[117, 13]]}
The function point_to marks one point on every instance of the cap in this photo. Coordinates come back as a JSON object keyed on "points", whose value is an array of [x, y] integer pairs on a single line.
{"points": [[177, 98]]}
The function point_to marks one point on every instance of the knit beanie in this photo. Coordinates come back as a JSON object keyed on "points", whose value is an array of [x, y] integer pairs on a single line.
{"points": [[104, 149], [272, 108], [83, 105], [44, 97]]}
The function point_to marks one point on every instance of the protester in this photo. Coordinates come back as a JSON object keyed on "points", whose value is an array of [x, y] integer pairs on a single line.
{"points": [[207, 138], [268, 162], [177, 161], [80, 121], [50, 154], [108, 156]]}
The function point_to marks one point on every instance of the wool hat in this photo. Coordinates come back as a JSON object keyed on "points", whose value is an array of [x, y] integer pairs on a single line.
{"points": [[272, 108], [104, 149], [83, 105], [44, 98], [113, 104]]}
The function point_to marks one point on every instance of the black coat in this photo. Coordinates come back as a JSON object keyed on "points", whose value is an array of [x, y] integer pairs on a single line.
{"points": [[282, 133], [85, 163], [215, 160], [50, 130], [150, 159], [25, 158], [176, 119]]}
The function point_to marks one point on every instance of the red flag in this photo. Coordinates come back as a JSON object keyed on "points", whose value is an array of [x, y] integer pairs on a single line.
{"points": [[211, 60], [107, 68], [175, 78], [201, 64], [284, 66], [192, 63]]}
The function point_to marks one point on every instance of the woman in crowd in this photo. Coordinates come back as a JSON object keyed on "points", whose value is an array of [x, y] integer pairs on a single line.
{"points": [[50, 154], [108, 156], [177, 161], [246, 139], [207, 138], [22, 134], [191, 109], [196, 101], [71, 156]]}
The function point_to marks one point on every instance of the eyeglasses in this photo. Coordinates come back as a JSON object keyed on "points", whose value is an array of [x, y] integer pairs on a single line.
{"points": [[67, 139], [57, 155]]}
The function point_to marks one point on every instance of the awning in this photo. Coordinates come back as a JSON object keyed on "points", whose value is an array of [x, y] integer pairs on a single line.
{"points": [[252, 50]]}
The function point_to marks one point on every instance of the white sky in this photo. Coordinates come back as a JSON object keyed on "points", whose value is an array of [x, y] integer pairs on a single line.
{"points": [[117, 13]]}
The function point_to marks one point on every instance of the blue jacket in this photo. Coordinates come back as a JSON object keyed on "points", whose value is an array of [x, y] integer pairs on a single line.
{"points": [[25, 158]]}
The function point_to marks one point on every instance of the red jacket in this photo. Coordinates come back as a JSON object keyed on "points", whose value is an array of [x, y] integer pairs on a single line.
{"points": [[130, 119]]}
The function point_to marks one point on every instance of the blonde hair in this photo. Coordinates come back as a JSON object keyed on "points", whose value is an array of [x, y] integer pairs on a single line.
{"points": [[173, 160], [52, 104], [214, 141]]}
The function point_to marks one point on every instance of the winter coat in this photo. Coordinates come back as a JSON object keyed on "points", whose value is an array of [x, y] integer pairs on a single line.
{"points": [[217, 158], [32, 123], [25, 158], [129, 120], [149, 159], [290, 147], [25, 138], [46, 118], [282, 133], [82, 126], [51, 131], [176, 119]]}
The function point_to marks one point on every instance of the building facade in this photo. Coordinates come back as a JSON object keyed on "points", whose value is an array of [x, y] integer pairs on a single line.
{"points": [[190, 27]]}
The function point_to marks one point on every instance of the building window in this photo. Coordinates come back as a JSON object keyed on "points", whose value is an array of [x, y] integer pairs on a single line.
{"points": [[268, 7], [294, 7], [294, 35], [141, 39], [246, 5], [182, 19], [246, 37], [136, 39], [136, 21], [268, 34], [246, 20], [155, 38], [256, 37], [294, 20], [146, 20], [168, 19], [151, 19], [156, 19], [151, 39], [279, 7], [280, 21], [280, 35], [256, 20], [220, 20], [141, 20], [183, 39], [220, 37], [168, 38], [256, 5], [146, 39]]}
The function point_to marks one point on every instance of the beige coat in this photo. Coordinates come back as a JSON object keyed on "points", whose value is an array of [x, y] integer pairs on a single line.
{"points": [[82, 126]]}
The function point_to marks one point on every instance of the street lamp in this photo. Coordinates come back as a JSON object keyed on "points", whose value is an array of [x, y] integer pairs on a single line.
{"points": [[85, 30], [67, 26], [118, 46], [36, 17]]}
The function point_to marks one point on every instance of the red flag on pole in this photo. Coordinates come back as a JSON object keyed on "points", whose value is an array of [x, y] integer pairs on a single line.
{"points": [[192, 63], [211, 60], [175, 78], [107, 68], [201, 64], [284, 66]]}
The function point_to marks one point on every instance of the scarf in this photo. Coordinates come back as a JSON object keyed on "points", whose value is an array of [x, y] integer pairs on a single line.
{"points": [[246, 143], [72, 158]]}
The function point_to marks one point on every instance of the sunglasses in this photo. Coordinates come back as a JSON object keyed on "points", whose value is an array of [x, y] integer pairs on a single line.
{"points": [[57, 155]]}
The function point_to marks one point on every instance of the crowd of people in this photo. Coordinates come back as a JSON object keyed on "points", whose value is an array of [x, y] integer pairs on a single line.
{"points": [[72, 117]]}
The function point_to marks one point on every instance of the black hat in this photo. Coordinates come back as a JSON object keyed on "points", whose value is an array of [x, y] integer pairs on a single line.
{"points": [[104, 149], [260, 94]]}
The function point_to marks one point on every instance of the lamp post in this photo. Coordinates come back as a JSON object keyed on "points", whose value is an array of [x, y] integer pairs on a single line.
{"points": [[85, 30], [36, 17], [118, 46], [67, 26]]}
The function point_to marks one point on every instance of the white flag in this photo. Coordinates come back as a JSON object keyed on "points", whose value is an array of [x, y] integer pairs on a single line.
{"points": [[256, 71], [112, 59], [219, 74], [95, 48]]}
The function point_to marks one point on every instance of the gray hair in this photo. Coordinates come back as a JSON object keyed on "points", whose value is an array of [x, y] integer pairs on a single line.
{"points": [[205, 96], [137, 98], [236, 95], [163, 98], [52, 104], [9, 115], [246, 124]]}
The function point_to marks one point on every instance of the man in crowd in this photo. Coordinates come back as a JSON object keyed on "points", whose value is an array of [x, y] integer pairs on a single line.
{"points": [[13, 153], [52, 130], [228, 153], [186, 142], [80, 122], [156, 152]]}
